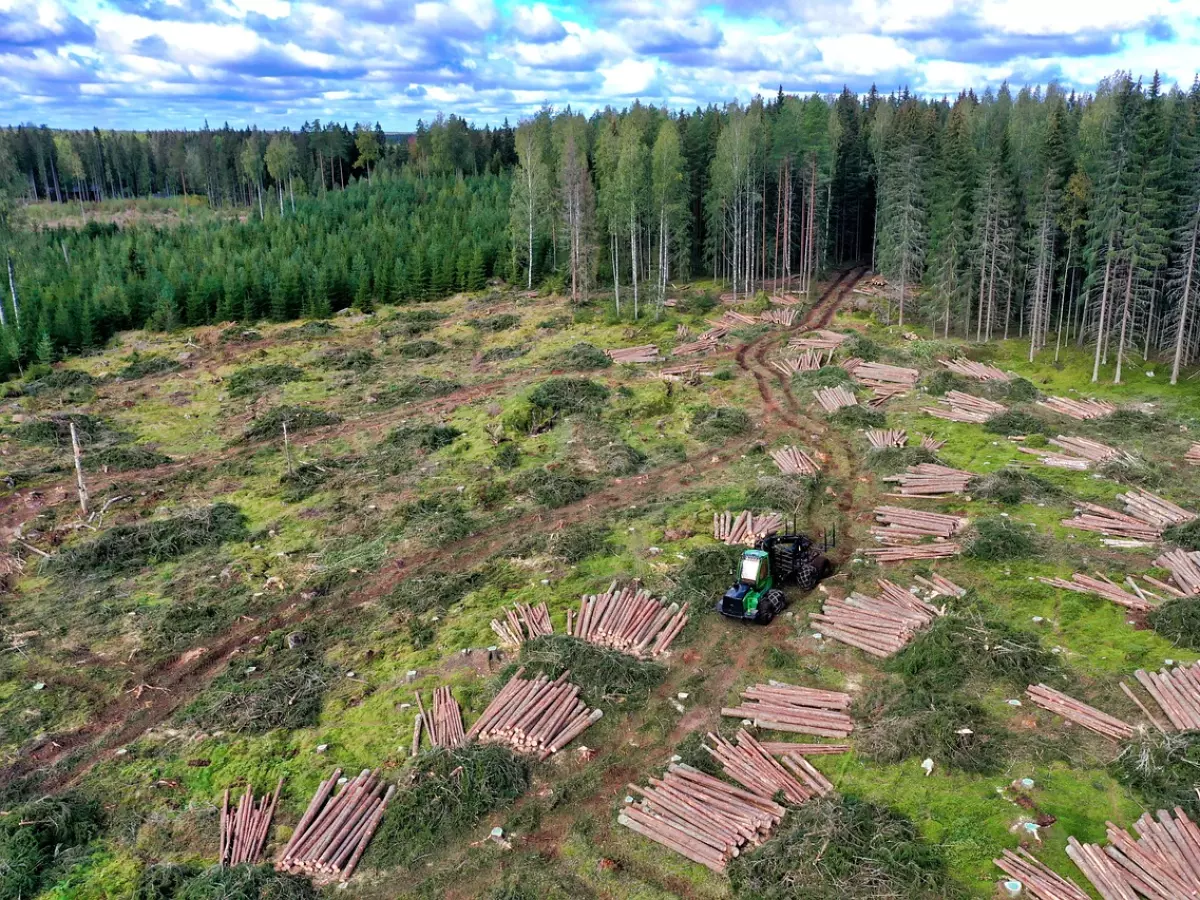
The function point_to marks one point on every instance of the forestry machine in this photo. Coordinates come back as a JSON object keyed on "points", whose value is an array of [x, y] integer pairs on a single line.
{"points": [[775, 561]]}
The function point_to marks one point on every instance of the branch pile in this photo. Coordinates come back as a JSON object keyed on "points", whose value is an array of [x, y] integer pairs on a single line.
{"points": [[880, 625], [1043, 882], [749, 763], [444, 725], [965, 408], [834, 398], [534, 715], [522, 623], [1162, 864], [931, 480], [1079, 409], [1185, 570], [794, 461], [823, 340], [645, 353], [786, 707], [978, 371], [335, 829], [1080, 713], [244, 828], [785, 317], [630, 621], [899, 526], [744, 528], [1177, 693], [874, 374], [1192, 457], [808, 361], [1106, 588], [883, 439]]}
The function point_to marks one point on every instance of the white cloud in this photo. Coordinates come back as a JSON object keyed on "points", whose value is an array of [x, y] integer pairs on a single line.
{"points": [[862, 54], [1069, 16], [537, 23], [629, 78]]}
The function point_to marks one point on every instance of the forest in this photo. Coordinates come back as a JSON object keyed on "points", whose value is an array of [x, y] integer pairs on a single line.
{"points": [[1046, 215]]}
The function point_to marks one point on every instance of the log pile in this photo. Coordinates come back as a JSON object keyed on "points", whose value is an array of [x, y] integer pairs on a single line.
{"points": [[784, 748], [883, 439], [745, 528], [932, 444], [785, 317], [820, 340], [682, 332], [1079, 409], [931, 480], [1154, 510], [1145, 518], [1162, 864], [731, 318], [906, 552], [965, 408], [851, 363], [880, 625], [808, 361], [882, 393], [1043, 882], [522, 623], [244, 828], [335, 829], [534, 715], [800, 710], [1184, 567], [629, 621], [704, 343], [1078, 712], [690, 373], [703, 818], [937, 585], [444, 724], [1177, 693], [749, 763], [1079, 452], [978, 371], [874, 374], [645, 353], [1104, 587], [900, 526], [834, 398], [784, 300], [794, 461], [1192, 457]]}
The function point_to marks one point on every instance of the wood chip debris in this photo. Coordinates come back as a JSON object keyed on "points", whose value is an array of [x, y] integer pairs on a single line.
{"points": [[794, 461], [1163, 863], [965, 408], [745, 528], [1080, 713], [629, 620], [978, 371], [931, 480], [834, 398], [645, 353], [1079, 409], [883, 439], [880, 625], [522, 623], [535, 715], [246, 826]]}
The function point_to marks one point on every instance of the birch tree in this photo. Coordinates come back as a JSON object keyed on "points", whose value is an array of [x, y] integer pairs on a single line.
{"points": [[529, 195], [669, 198]]}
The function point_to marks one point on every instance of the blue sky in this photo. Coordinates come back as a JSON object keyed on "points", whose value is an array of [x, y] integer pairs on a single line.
{"points": [[175, 63]]}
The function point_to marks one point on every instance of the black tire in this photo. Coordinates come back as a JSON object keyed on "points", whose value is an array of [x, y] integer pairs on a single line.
{"points": [[808, 576], [771, 605]]}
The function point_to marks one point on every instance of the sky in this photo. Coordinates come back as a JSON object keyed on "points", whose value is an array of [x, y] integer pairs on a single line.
{"points": [[274, 63]]}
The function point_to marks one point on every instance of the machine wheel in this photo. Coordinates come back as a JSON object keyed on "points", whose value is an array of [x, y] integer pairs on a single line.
{"points": [[771, 605], [807, 576]]}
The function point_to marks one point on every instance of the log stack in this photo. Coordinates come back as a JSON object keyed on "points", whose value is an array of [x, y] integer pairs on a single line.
{"points": [[1078, 453], [965, 408], [834, 398], [939, 586], [1154, 509], [882, 393], [1145, 518], [784, 300], [786, 748], [874, 374], [703, 818], [245, 827], [731, 318], [1177, 693], [1100, 586], [931, 480], [1192, 457], [534, 715], [880, 625], [749, 763], [978, 371], [1079, 409], [745, 528], [522, 623], [808, 361], [444, 723], [1080, 713], [905, 553], [645, 353], [689, 373], [819, 340], [800, 710], [794, 461], [335, 830], [898, 525], [704, 343], [1185, 570], [628, 620], [884, 439], [1042, 881], [785, 317], [932, 444], [1162, 864]]}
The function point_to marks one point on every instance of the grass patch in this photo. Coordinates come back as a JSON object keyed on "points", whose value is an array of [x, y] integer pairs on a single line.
{"points": [[309, 331], [140, 366], [1178, 620], [1014, 421], [124, 459], [859, 416], [582, 357], [298, 419], [1011, 486], [250, 381], [717, 424], [604, 676], [41, 837], [553, 487], [187, 882], [419, 349], [998, 538], [1162, 769]]}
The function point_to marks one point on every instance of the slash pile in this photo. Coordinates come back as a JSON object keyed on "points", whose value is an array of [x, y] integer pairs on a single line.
{"points": [[629, 620], [794, 461], [1192, 457], [645, 353], [335, 829], [785, 317], [975, 370], [1078, 712], [1146, 516], [874, 374], [244, 828], [535, 715], [745, 528], [786, 707], [834, 398], [522, 623], [808, 361], [1163, 864], [931, 480], [444, 724], [1042, 881], [1106, 588], [899, 525], [1079, 453], [749, 763], [880, 625], [965, 408], [824, 340], [1177, 693], [1185, 569], [882, 439], [1079, 409]]}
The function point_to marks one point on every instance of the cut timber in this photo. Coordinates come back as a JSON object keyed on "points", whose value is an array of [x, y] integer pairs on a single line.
{"points": [[1078, 452], [784, 748], [882, 393], [808, 361], [689, 373], [1043, 882], [444, 723], [522, 623], [1145, 518], [794, 461], [246, 826], [646, 353], [705, 343], [938, 585], [745, 528], [873, 374], [785, 317], [800, 710], [749, 763], [1163, 863], [629, 620], [879, 625], [1103, 587], [932, 444], [884, 439], [820, 340], [1176, 692], [975, 370], [931, 480], [1079, 409], [905, 553], [834, 398], [966, 408], [534, 715], [898, 524], [1080, 713], [1184, 567], [1192, 457]]}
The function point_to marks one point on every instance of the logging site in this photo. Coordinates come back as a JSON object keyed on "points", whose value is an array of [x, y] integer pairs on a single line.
{"points": [[629, 506]]}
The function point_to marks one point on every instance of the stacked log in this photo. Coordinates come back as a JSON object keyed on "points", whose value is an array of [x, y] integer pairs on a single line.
{"points": [[1102, 520], [1079, 453], [820, 340], [244, 828], [749, 763], [1079, 409], [1078, 712], [1177, 693], [690, 373], [745, 528], [785, 317], [931, 480], [808, 361], [784, 300], [1153, 509], [1192, 457], [444, 724], [938, 585], [851, 363], [882, 393], [834, 398], [335, 830], [880, 625], [932, 444], [535, 715], [899, 525], [703, 818], [1043, 882], [704, 343], [978, 371], [883, 439], [965, 408], [522, 623], [629, 620], [800, 710], [905, 553], [731, 318], [786, 748], [794, 461], [874, 373], [1184, 567], [1162, 864], [644, 353], [1103, 587]]}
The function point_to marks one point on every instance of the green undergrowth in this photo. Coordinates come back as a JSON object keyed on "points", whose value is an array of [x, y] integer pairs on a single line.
{"points": [[826, 376], [144, 365], [420, 350], [581, 357], [245, 882], [553, 487], [893, 460], [1015, 421], [124, 459], [604, 676], [1186, 535], [252, 381], [998, 538], [41, 839], [1178, 620], [60, 380], [715, 425], [1012, 486], [704, 576], [859, 416], [297, 418]]}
